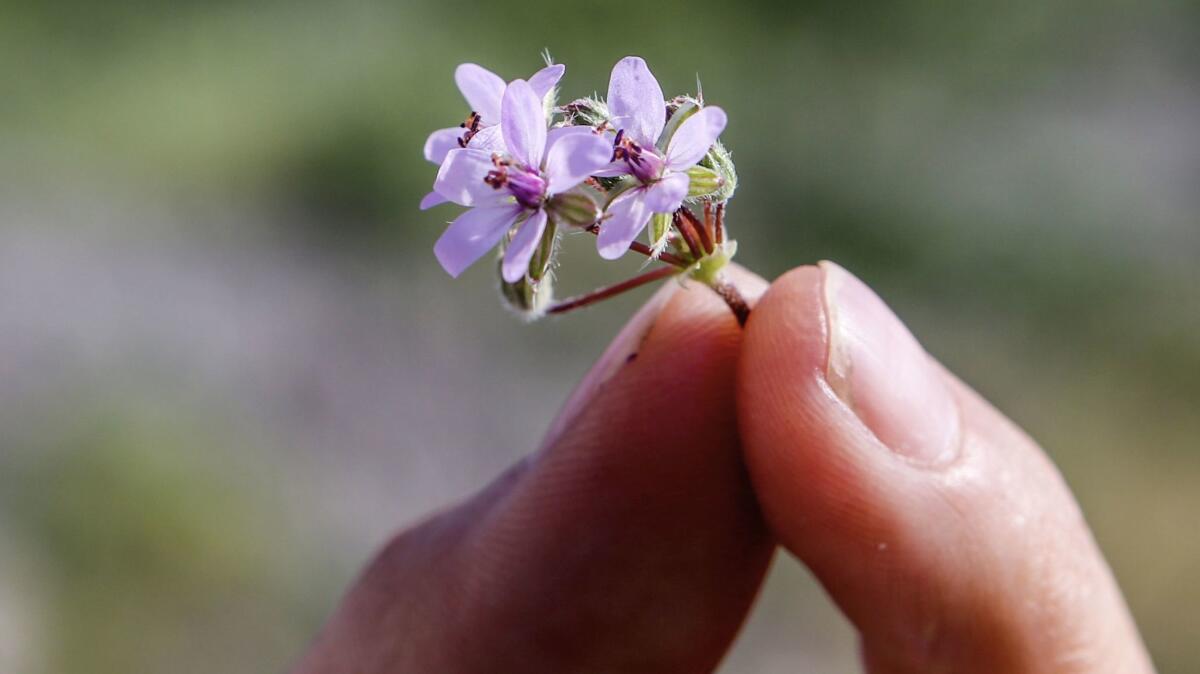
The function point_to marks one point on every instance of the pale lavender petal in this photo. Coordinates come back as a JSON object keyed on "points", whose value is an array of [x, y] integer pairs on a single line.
{"points": [[667, 194], [521, 248], [440, 142], [693, 138], [614, 169], [544, 80], [573, 158], [472, 235], [523, 120], [559, 132], [461, 178], [432, 199], [482, 88], [488, 139], [635, 101], [628, 216]]}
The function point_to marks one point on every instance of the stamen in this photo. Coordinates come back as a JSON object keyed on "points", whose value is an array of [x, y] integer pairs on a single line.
{"points": [[498, 177], [472, 127]]}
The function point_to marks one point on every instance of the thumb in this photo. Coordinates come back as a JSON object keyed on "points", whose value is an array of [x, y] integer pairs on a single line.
{"points": [[941, 530]]}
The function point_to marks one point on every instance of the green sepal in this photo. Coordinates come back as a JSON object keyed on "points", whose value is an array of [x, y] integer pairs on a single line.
{"points": [[703, 182], [660, 233], [707, 269], [585, 112], [573, 208], [532, 294], [721, 163], [679, 109]]}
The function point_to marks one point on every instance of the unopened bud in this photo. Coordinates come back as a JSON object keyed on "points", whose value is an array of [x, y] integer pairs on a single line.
{"points": [[719, 161], [660, 233], [585, 112], [575, 208], [678, 110], [703, 181], [530, 296]]}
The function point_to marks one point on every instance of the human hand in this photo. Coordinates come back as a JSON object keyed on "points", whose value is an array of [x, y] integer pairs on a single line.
{"points": [[633, 540]]}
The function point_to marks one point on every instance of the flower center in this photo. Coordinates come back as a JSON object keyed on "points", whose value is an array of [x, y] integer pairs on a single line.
{"points": [[526, 185], [471, 126], [644, 164]]}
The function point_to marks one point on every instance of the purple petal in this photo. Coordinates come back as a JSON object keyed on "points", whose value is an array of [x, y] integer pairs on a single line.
{"points": [[628, 216], [573, 158], [488, 139], [614, 169], [521, 248], [432, 199], [693, 138], [440, 142], [482, 88], [559, 132], [472, 235], [523, 120], [667, 194], [635, 101], [461, 178], [544, 80]]}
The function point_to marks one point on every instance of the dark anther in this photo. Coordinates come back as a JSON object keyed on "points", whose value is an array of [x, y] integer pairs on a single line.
{"points": [[472, 127]]}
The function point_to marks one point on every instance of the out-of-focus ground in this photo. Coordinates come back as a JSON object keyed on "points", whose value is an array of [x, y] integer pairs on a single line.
{"points": [[230, 367]]}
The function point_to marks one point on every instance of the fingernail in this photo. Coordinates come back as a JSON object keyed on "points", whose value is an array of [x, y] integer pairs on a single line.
{"points": [[620, 351], [881, 372]]}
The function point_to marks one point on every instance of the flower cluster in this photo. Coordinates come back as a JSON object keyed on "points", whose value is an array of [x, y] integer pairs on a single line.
{"points": [[527, 169]]}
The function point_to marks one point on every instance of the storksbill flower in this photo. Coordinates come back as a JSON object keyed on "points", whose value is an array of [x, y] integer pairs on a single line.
{"points": [[484, 91], [513, 184], [638, 112]]}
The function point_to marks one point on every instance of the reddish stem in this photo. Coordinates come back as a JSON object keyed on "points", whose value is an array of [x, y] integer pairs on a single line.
{"points": [[612, 291], [639, 247], [689, 235], [700, 229]]}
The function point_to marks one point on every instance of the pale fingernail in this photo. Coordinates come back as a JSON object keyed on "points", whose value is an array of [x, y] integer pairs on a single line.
{"points": [[879, 370], [620, 351]]}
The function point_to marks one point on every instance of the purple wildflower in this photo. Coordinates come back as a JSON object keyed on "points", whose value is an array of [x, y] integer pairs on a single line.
{"points": [[512, 184], [484, 90], [638, 112]]}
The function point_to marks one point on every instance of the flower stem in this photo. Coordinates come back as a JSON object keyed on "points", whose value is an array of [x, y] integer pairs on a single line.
{"points": [[733, 297], [643, 249], [701, 231], [684, 227], [594, 296]]}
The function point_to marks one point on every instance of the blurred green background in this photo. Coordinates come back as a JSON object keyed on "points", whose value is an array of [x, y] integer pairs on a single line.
{"points": [[230, 366]]}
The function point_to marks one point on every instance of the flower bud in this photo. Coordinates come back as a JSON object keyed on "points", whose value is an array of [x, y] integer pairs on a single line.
{"points": [[530, 296], [528, 299], [678, 110], [703, 182], [721, 163], [660, 233], [585, 112], [573, 208]]}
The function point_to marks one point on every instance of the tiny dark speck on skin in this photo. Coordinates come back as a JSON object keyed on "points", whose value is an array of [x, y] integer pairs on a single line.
{"points": [[631, 357]]}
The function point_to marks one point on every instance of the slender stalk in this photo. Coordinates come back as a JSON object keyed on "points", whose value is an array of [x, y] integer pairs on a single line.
{"points": [[597, 295], [701, 231], [733, 297], [719, 226], [643, 249], [689, 235], [708, 221]]}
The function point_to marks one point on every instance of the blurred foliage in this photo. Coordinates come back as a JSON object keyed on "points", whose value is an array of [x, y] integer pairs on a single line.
{"points": [[156, 556], [1018, 178]]}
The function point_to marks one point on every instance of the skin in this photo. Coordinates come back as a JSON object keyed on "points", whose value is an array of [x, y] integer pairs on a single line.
{"points": [[636, 538]]}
